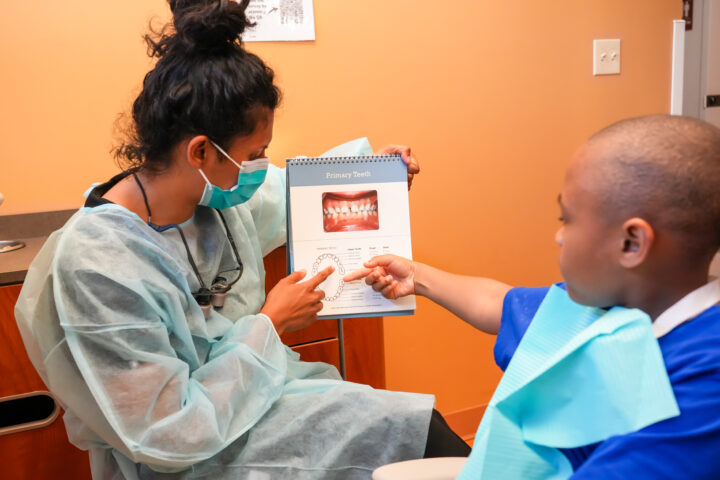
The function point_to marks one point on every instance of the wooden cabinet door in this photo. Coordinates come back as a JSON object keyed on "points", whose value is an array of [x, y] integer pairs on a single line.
{"points": [[364, 351], [18, 374], [39, 453], [327, 351]]}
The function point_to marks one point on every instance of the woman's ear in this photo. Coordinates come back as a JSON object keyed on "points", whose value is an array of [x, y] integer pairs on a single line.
{"points": [[638, 238], [198, 151]]}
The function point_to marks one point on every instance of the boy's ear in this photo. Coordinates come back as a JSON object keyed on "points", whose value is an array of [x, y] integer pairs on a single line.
{"points": [[198, 151], [638, 238]]}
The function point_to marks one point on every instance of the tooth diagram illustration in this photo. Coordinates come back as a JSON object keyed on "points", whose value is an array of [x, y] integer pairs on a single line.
{"points": [[333, 285]]}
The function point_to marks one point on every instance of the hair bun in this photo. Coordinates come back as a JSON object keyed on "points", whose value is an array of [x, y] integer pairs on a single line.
{"points": [[209, 24]]}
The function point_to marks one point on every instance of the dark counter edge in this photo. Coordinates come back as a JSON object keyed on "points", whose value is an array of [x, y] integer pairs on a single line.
{"points": [[12, 278], [33, 229], [37, 224]]}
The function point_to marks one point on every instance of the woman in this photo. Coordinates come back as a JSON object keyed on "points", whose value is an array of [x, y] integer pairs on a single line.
{"points": [[116, 309]]}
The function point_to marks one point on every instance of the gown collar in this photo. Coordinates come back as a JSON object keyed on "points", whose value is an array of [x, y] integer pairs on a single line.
{"points": [[688, 307], [95, 196]]}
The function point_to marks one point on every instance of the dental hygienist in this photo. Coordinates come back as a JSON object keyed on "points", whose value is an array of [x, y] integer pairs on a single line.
{"points": [[146, 314]]}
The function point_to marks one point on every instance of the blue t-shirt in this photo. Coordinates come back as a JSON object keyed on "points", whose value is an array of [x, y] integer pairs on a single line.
{"points": [[686, 446]]}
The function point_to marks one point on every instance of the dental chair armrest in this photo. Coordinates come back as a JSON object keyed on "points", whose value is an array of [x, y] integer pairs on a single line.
{"points": [[442, 468]]}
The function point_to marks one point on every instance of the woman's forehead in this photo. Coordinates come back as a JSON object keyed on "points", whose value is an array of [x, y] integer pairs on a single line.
{"points": [[260, 137]]}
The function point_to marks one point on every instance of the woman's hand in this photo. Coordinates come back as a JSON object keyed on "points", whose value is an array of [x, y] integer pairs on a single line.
{"points": [[407, 156], [390, 275], [292, 305]]}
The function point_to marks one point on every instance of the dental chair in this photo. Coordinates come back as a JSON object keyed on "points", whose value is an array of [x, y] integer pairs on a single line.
{"points": [[442, 468], [464, 423]]}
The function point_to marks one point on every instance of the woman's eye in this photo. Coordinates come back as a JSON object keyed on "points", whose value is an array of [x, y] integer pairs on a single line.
{"points": [[561, 219]]}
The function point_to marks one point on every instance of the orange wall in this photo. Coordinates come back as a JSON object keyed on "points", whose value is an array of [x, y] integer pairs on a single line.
{"points": [[493, 96]]}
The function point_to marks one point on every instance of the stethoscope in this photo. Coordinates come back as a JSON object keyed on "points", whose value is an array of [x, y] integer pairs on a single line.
{"points": [[207, 298]]}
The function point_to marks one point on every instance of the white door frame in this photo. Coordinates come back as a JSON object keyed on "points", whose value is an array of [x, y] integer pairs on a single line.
{"points": [[696, 46], [701, 73]]}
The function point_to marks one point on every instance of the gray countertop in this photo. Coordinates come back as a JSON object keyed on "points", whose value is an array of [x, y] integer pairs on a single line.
{"points": [[14, 265], [31, 228]]}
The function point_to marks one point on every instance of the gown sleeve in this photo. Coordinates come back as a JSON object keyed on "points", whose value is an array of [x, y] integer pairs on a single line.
{"points": [[148, 386], [267, 208]]}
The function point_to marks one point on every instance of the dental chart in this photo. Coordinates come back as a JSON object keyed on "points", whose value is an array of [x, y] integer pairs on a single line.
{"points": [[342, 211], [280, 20]]}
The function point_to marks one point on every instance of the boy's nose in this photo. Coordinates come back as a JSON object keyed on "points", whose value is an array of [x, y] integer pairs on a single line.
{"points": [[558, 236]]}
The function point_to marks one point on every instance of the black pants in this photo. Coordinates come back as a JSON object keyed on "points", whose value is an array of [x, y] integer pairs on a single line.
{"points": [[442, 441]]}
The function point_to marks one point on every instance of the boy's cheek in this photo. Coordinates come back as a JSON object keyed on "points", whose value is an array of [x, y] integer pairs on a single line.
{"points": [[563, 262]]}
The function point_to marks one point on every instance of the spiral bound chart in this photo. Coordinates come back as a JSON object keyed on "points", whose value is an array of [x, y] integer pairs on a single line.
{"points": [[342, 211], [361, 159]]}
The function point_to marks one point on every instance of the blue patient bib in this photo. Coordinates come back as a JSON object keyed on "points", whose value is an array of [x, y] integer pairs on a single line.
{"points": [[579, 376]]}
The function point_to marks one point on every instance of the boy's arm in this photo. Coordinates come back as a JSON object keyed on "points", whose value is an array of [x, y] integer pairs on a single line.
{"points": [[478, 301]]}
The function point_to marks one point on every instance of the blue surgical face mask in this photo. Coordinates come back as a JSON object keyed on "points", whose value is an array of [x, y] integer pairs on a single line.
{"points": [[251, 175]]}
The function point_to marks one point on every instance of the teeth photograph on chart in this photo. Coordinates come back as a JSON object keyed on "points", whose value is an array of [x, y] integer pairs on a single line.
{"points": [[350, 211]]}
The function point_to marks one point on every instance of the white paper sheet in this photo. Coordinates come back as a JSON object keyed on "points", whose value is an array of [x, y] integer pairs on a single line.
{"points": [[280, 20], [374, 220]]}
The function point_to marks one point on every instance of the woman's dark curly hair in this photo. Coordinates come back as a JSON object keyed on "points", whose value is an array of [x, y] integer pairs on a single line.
{"points": [[204, 83]]}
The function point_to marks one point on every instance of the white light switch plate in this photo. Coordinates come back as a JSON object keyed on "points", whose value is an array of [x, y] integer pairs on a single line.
{"points": [[606, 56]]}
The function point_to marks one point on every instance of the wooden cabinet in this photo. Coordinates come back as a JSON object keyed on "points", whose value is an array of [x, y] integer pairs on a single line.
{"points": [[46, 452], [42, 452]]}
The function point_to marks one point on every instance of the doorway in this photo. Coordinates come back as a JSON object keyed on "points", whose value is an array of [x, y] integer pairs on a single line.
{"points": [[702, 62]]}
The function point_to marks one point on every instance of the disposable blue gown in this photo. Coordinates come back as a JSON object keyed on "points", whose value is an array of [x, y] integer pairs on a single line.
{"points": [[154, 390]]}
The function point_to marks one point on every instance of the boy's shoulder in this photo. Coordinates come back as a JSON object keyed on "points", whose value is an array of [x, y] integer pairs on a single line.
{"points": [[519, 307], [685, 446], [693, 345], [681, 447]]}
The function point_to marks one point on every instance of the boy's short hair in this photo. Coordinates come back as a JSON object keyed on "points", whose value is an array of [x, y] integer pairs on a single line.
{"points": [[666, 170]]}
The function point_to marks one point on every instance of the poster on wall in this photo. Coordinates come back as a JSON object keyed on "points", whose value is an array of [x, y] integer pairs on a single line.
{"points": [[280, 21]]}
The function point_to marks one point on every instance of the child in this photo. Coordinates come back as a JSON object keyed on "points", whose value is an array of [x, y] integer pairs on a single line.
{"points": [[640, 226]]}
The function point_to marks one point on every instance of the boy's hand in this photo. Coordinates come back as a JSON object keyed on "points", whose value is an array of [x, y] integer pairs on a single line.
{"points": [[390, 275], [407, 156]]}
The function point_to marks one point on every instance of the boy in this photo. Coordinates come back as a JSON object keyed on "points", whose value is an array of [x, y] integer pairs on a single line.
{"points": [[641, 224]]}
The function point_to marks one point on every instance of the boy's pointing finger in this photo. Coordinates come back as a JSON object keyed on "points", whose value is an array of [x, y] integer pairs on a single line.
{"points": [[363, 272]]}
